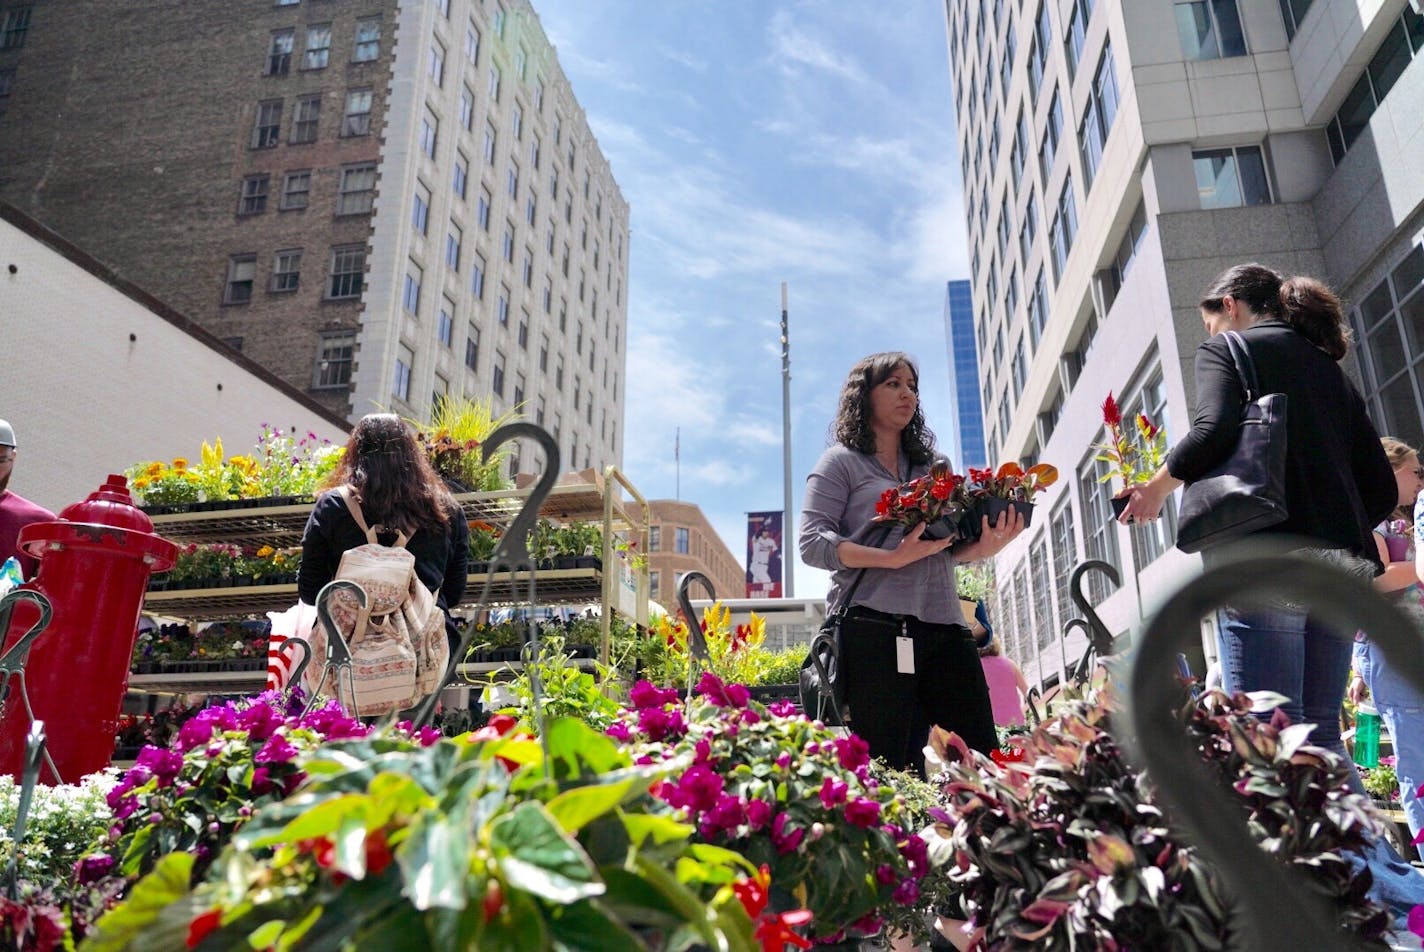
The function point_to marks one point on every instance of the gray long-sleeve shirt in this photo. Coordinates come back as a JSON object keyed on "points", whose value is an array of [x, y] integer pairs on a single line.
{"points": [[841, 493]]}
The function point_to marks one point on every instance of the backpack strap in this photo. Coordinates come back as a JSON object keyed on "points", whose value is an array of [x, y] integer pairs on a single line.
{"points": [[355, 509]]}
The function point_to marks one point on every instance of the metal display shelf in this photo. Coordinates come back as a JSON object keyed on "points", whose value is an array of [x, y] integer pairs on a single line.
{"points": [[250, 682], [559, 586], [281, 526]]}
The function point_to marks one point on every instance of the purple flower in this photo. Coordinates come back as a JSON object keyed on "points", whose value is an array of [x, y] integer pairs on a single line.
{"points": [[720, 693], [702, 752], [851, 751], [750, 716], [906, 893], [758, 813], [126, 809], [619, 731], [261, 781], [869, 924], [332, 723], [165, 764], [726, 815], [260, 721], [697, 790], [783, 760], [833, 792], [658, 723], [197, 730], [917, 854], [885, 874], [425, 737], [783, 839], [645, 694], [862, 812], [91, 869], [277, 750], [782, 708]]}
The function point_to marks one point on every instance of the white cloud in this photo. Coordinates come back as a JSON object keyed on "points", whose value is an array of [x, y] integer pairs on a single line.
{"points": [[752, 431], [684, 58], [792, 45]]}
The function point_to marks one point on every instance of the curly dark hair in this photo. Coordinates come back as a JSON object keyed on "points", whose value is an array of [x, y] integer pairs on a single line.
{"points": [[392, 476], [851, 427]]}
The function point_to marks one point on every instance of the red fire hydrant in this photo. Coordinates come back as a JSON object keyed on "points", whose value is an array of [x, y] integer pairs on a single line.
{"points": [[95, 561]]}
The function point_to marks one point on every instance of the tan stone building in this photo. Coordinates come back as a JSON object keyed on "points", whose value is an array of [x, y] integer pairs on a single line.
{"points": [[681, 540], [380, 202]]}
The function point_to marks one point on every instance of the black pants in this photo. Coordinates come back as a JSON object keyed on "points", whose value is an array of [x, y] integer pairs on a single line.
{"points": [[893, 711]]}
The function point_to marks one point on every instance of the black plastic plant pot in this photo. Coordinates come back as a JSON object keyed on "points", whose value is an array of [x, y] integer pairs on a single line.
{"points": [[942, 528], [1025, 509], [1119, 503], [588, 562]]}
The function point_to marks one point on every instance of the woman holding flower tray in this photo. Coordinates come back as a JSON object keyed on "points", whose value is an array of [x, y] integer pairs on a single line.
{"points": [[906, 654]]}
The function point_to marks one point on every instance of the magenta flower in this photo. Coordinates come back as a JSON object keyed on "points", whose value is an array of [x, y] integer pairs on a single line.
{"points": [[619, 731], [277, 750], [758, 813], [785, 841], [833, 792], [702, 752], [164, 764], [260, 721], [917, 854], [885, 874], [656, 722], [261, 781], [851, 751], [1416, 920], [720, 693], [906, 893], [783, 760], [862, 812], [782, 708], [645, 694], [91, 869], [726, 815], [697, 790]]}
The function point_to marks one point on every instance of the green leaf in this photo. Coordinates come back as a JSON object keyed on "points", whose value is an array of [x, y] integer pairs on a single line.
{"points": [[574, 809], [152, 894], [538, 857], [351, 844], [658, 828], [520, 928], [436, 863], [324, 819], [581, 748], [586, 925]]}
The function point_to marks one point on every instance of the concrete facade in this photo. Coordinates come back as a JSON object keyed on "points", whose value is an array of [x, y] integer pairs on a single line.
{"points": [[1246, 139], [100, 375], [681, 540], [380, 129]]}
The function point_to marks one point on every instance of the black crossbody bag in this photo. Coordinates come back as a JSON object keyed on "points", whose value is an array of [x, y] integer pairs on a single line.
{"points": [[823, 683]]}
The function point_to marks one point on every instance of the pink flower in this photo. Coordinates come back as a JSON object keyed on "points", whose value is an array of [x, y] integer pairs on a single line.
{"points": [[697, 790], [782, 708], [277, 750], [1416, 920], [783, 760], [644, 695], [164, 764], [261, 780], [758, 813], [906, 893], [862, 812], [93, 868], [619, 731], [833, 792], [885, 874], [721, 694], [917, 855], [783, 839], [852, 752], [726, 815], [702, 752], [659, 724], [260, 721]]}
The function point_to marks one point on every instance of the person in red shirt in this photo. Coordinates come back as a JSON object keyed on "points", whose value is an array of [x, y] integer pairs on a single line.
{"points": [[16, 511]]}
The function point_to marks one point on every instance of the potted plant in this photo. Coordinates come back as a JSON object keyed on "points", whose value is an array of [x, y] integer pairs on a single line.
{"points": [[483, 539], [453, 438], [1134, 452], [935, 499], [993, 493]]}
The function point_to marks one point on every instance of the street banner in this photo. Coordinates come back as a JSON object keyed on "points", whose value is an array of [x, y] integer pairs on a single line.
{"points": [[764, 554]]}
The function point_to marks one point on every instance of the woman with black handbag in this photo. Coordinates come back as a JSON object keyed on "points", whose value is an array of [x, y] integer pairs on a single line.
{"points": [[907, 657], [1337, 482]]}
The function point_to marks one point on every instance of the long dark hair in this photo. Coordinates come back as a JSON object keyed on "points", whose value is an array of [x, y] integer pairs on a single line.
{"points": [[394, 480], [1305, 303], [851, 427]]}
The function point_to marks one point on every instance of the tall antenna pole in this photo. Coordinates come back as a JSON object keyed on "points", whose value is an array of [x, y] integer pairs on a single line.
{"points": [[677, 462], [788, 561]]}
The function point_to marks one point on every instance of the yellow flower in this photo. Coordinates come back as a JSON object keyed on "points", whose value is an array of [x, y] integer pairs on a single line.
{"points": [[212, 455], [153, 469], [141, 482], [179, 463], [265, 551]]}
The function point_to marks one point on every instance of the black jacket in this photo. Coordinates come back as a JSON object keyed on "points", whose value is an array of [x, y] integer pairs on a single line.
{"points": [[1339, 482], [440, 559]]}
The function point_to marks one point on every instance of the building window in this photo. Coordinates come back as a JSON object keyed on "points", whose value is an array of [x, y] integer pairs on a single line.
{"points": [[655, 579], [7, 81], [1110, 279], [497, 378], [241, 270], [1098, 117], [429, 128], [348, 272], [1052, 132], [306, 116], [482, 209], [1029, 231], [494, 83], [286, 270], [1404, 40], [472, 43], [436, 65], [334, 357], [279, 54], [528, 269], [477, 276], [460, 175], [1151, 539], [253, 200], [472, 347], [400, 385], [1065, 556], [559, 375], [519, 384], [318, 46], [1063, 230], [1042, 594], [357, 119], [1391, 327], [655, 538], [535, 147], [358, 189], [296, 190], [538, 94], [445, 327], [1038, 309], [1075, 32], [1230, 178], [516, 121], [499, 20], [453, 238], [1100, 528], [410, 294], [420, 209], [467, 109], [507, 242], [681, 541], [266, 131], [512, 180], [491, 136], [14, 27], [1293, 12], [1209, 29], [368, 40], [502, 306]]}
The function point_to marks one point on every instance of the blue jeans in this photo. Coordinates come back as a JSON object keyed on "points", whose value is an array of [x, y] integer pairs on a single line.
{"points": [[1289, 652], [1402, 708]]}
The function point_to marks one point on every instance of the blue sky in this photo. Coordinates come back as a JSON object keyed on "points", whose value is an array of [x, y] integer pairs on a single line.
{"points": [[759, 142]]}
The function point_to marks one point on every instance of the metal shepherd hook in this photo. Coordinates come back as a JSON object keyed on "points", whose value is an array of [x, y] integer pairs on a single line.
{"points": [[696, 641]]}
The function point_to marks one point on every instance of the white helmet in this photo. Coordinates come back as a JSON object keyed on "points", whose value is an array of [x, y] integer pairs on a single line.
{"points": [[7, 434]]}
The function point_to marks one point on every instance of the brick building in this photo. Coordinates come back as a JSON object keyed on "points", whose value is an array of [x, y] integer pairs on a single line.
{"points": [[681, 540], [379, 202]]}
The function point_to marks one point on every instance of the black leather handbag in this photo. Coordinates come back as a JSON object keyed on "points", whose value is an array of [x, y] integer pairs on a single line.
{"points": [[822, 681], [1247, 492]]}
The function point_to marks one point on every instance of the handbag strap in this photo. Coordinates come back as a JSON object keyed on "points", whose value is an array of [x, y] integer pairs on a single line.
{"points": [[1245, 367], [860, 576]]}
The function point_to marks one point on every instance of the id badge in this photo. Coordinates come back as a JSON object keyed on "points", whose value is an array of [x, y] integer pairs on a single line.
{"points": [[904, 654]]}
